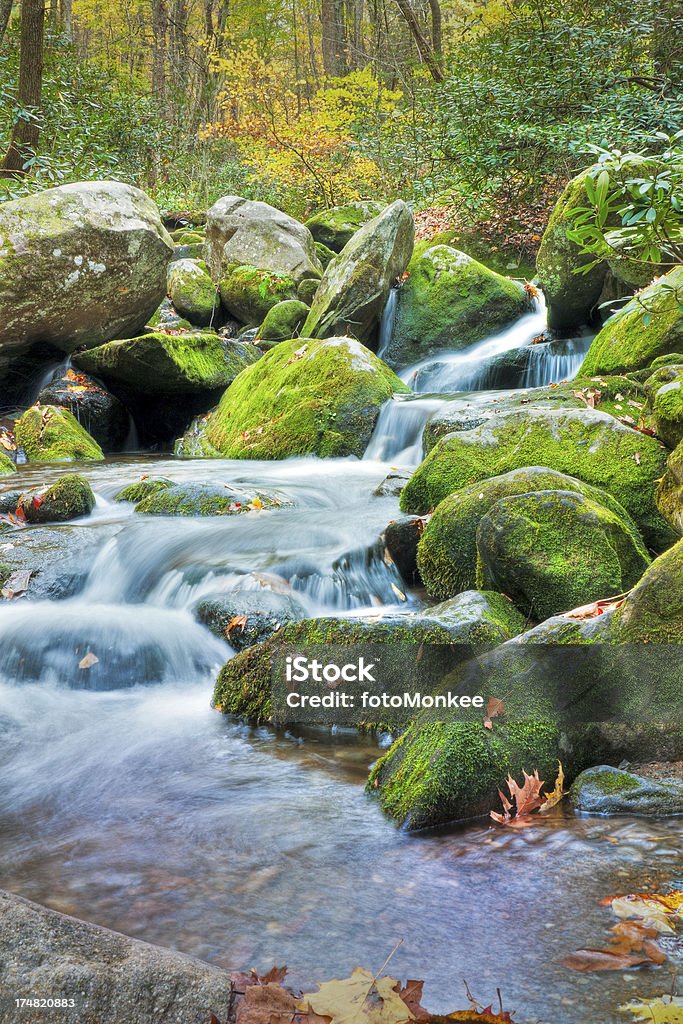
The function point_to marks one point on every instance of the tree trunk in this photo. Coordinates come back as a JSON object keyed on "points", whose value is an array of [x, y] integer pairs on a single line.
{"points": [[26, 131], [424, 47], [66, 9], [159, 31], [437, 30], [5, 12], [333, 39]]}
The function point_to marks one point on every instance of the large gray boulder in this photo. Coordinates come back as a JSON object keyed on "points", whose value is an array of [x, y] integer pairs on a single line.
{"points": [[79, 265], [356, 284], [336, 227], [244, 231], [111, 978]]}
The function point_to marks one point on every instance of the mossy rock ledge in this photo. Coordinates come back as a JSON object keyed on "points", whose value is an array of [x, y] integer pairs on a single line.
{"points": [[447, 550], [47, 433], [304, 397], [69, 497], [589, 445]]}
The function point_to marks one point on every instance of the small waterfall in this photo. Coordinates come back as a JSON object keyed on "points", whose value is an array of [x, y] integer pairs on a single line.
{"points": [[462, 371], [386, 324], [553, 361], [398, 434]]}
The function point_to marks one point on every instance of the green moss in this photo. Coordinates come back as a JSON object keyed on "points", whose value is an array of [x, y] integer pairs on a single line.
{"points": [[450, 301], [5, 573], [192, 291], [648, 327], [307, 289], [142, 489], [283, 321], [167, 364], [200, 500], [303, 397], [551, 551], [6, 465], [324, 254], [587, 444], [249, 293], [653, 611], [335, 227], [50, 434], [572, 297], [609, 781], [665, 398], [69, 497], [447, 552]]}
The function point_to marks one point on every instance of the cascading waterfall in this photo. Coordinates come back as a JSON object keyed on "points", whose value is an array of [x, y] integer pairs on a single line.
{"points": [[386, 325]]}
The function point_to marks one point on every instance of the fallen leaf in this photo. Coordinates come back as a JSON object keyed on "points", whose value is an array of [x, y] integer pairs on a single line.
{"points": [[266, 1004], [236, 622], [399, 593], [256, 503], [666, 1010], [553, 799], [523, 801], [495, 707], [592, 611], [89, 660], [411, 994], [360, 999], [602, 960], [637, 458], [299, 354], [7, 443], [16, 584]]}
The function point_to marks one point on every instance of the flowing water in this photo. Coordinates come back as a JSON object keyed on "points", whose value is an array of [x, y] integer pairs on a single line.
{"points": [[126, 800]]}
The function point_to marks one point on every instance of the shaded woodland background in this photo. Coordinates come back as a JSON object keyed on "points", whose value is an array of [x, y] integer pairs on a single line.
{"points": [[476, 111]]}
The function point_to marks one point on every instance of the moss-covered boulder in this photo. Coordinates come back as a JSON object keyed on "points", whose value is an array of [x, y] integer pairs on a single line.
{"points": [[142, 489], [168, 364], [551, 551], [337, 226], [608, 790], [669, 495], [471, 622], [284, 321], [303, 398], [249, 293], [447, 549], [166, 318], [307, 289], [356, 284], [6, 465], [47, 433], [192, 292], [105, 418], [203, 500], [244, 231], [665, 400], [450, 301], [248, 617], [79, 264], [325, 255], [572, 297], [69, 497], [587, 444], [653, 611], [646, 328]]}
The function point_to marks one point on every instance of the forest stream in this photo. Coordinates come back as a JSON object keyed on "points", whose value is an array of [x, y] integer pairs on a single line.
{"points": [[128, 801]]}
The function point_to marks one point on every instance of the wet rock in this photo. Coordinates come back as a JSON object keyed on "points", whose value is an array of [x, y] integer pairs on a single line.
{"points": [[264, 612], [58, 557], [302, 398], [356, 284], [9, 501], [69, 497], [587, 444], [283, 321], [608, 790], [392, 485], [401, 539], [104, 417], [551, 551], [114, 979], [447, 552], [670, 490], [142, 489], [46, 433], [244, 231], [665, 401], [450, 301], [94, 252], [307, 290], [203, 500]]}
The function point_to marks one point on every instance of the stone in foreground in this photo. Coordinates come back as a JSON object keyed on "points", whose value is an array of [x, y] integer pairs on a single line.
{"points": [[47, 433], [114, 979], [69, 497]]}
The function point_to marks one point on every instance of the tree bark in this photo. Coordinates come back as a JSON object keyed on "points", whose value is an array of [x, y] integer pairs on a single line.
{"points": [[437, 29], [26, 131], [159, 32], [5, 12], [332, 39], [424, 47], [66, 15]]}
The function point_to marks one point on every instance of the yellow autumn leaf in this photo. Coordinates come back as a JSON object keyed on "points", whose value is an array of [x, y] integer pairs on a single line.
{"points": [[256, 503], [657, 910], [667, 1010], [360, 999], [552, 799]]}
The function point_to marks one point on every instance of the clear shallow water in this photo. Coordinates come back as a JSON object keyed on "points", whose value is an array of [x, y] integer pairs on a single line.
{"points": [[126, 800]]}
